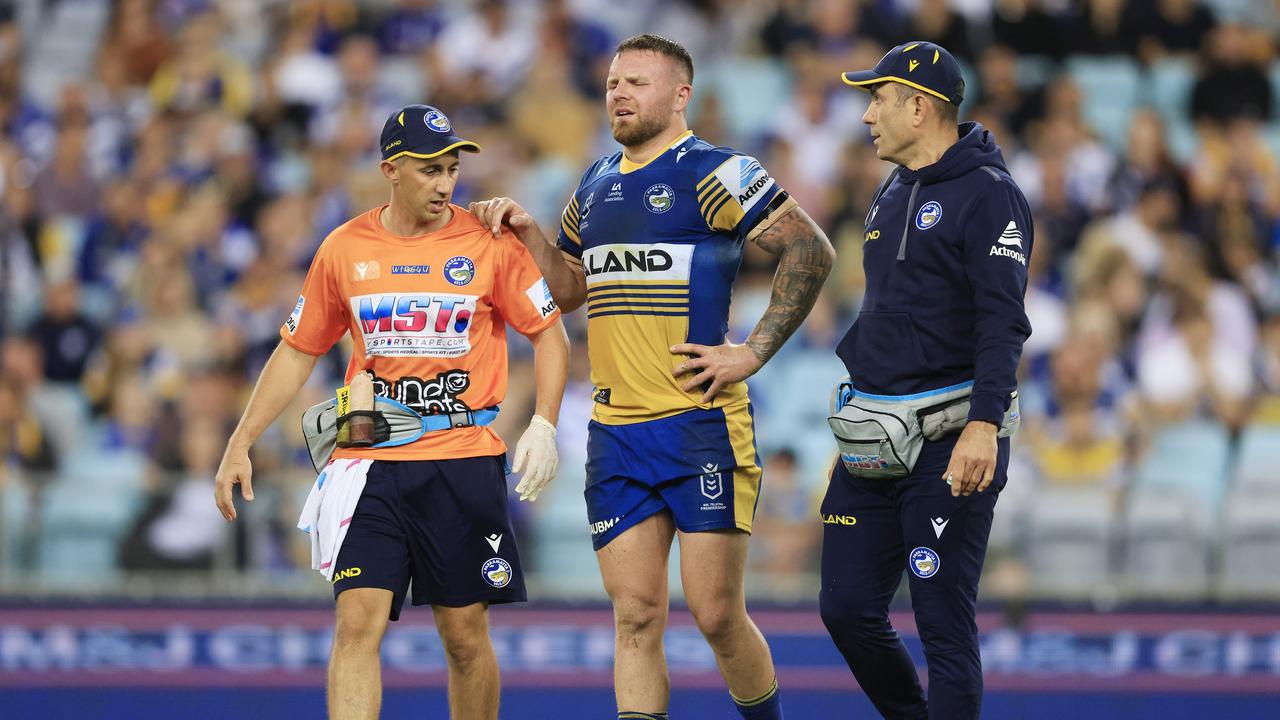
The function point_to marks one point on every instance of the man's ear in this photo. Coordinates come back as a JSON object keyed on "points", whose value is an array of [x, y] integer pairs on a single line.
{"points": [[919, 109], [684, 93], [390, 170]]}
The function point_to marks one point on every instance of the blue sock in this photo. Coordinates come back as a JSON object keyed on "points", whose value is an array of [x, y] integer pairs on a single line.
{"points": [[636, 715], [765, 707]]}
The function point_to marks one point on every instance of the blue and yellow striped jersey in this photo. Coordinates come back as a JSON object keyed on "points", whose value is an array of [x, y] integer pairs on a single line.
{"points": [[660, 244]]}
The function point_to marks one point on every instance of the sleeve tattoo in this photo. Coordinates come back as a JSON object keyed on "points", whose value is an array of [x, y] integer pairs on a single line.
{"points": [[805, 260]]}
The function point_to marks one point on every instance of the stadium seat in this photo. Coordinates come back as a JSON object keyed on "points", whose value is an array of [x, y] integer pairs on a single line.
{"points": [[1111, 88], [62, 408], [1070, 533], [1169, 84], [971, 80], [1275, 78], [1165, 538], [562, 545], [59, 54], [1258, 464], [750, 91], [1020, 495], [1033, 71], [71, 507], [15, 514], [78, 559], [1251, 544], [1190, 458], [1271, 136], [1180, 135]]}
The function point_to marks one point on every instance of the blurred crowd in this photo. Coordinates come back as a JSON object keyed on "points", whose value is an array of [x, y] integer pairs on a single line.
{"points": [[168, 168]]}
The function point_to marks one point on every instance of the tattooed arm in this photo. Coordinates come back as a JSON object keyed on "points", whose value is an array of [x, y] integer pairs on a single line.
{"points": [[805, 260], [806, 257]]}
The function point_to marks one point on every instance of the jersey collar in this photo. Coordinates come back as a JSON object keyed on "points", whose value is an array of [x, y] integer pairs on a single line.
{"points": [[625, 165]]}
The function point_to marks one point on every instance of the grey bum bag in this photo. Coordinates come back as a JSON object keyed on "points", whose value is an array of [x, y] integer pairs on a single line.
{"points": [[880, 436]]}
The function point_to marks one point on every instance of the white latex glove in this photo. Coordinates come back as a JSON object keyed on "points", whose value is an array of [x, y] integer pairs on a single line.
{"points": [[536, 457]]}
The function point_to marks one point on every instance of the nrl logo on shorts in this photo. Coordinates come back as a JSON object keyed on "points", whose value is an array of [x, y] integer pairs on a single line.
{"points": [[711, 482]]}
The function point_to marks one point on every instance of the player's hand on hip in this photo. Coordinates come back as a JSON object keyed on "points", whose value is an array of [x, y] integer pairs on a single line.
{"points": [[715, 364], [536, 457], [235, 469], [500, 211], [973, 459]]}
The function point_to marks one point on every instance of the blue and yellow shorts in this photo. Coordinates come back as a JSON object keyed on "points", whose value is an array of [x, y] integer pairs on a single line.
{"points": [[701, 464]]}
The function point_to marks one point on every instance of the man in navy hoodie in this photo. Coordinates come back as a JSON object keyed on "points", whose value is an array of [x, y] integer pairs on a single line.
{"points": [[948, 238]]}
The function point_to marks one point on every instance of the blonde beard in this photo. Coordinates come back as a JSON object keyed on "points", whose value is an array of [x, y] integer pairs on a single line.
{"points": [[644, 130]]}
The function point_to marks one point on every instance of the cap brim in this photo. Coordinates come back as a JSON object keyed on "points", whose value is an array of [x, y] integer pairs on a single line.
{"points": [[862, 78], [457, 144], [865, 78]]}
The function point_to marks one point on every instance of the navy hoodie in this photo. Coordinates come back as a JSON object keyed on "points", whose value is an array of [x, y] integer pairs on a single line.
{"points": [[945, 254]]}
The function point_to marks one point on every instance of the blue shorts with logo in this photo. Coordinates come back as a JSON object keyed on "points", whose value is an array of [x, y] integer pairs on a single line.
{"points": [[440, 525], [701, 465]]}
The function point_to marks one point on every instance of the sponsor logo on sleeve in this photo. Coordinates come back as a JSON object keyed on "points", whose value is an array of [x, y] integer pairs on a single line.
{"points": [[539, 295], [746, 180], [1004, 245], [296, 316]]}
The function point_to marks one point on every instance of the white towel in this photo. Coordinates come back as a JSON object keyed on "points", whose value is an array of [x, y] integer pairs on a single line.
{"points": [[327, 513]]}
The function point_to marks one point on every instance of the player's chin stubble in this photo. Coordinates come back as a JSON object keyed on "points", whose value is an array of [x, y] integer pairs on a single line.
{"points": [[641, 131]]}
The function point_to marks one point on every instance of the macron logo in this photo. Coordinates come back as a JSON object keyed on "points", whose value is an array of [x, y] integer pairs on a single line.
{"points": [[1011, 235], [939, 524]]}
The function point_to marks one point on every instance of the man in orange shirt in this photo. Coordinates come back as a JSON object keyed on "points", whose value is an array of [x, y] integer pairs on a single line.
{"points": [[426, 292]]}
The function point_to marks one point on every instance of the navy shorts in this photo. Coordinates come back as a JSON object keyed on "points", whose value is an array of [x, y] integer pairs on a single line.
{"points": [[701, 465], [441, 525]]}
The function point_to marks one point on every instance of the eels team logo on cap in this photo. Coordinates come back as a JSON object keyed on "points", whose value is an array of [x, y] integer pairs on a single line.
{"points": [[924, 66], [421, 131]]}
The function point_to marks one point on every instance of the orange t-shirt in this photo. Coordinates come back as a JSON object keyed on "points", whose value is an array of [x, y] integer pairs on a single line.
{"points": [[428, 315]]}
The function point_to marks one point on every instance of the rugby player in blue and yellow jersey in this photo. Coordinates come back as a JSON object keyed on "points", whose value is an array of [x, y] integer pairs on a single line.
{"points": [[651, 240]]}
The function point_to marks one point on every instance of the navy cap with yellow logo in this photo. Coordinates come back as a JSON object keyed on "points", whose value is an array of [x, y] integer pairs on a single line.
{"points": [[924, 66], [420, 131]]}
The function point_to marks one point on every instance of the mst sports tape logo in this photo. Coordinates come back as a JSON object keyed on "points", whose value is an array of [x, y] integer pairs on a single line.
{"points": [[426, 325]]}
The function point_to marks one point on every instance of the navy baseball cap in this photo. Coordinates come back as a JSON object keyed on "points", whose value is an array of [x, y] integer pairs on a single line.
{"points": [[924, 66], [420, 131]]}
